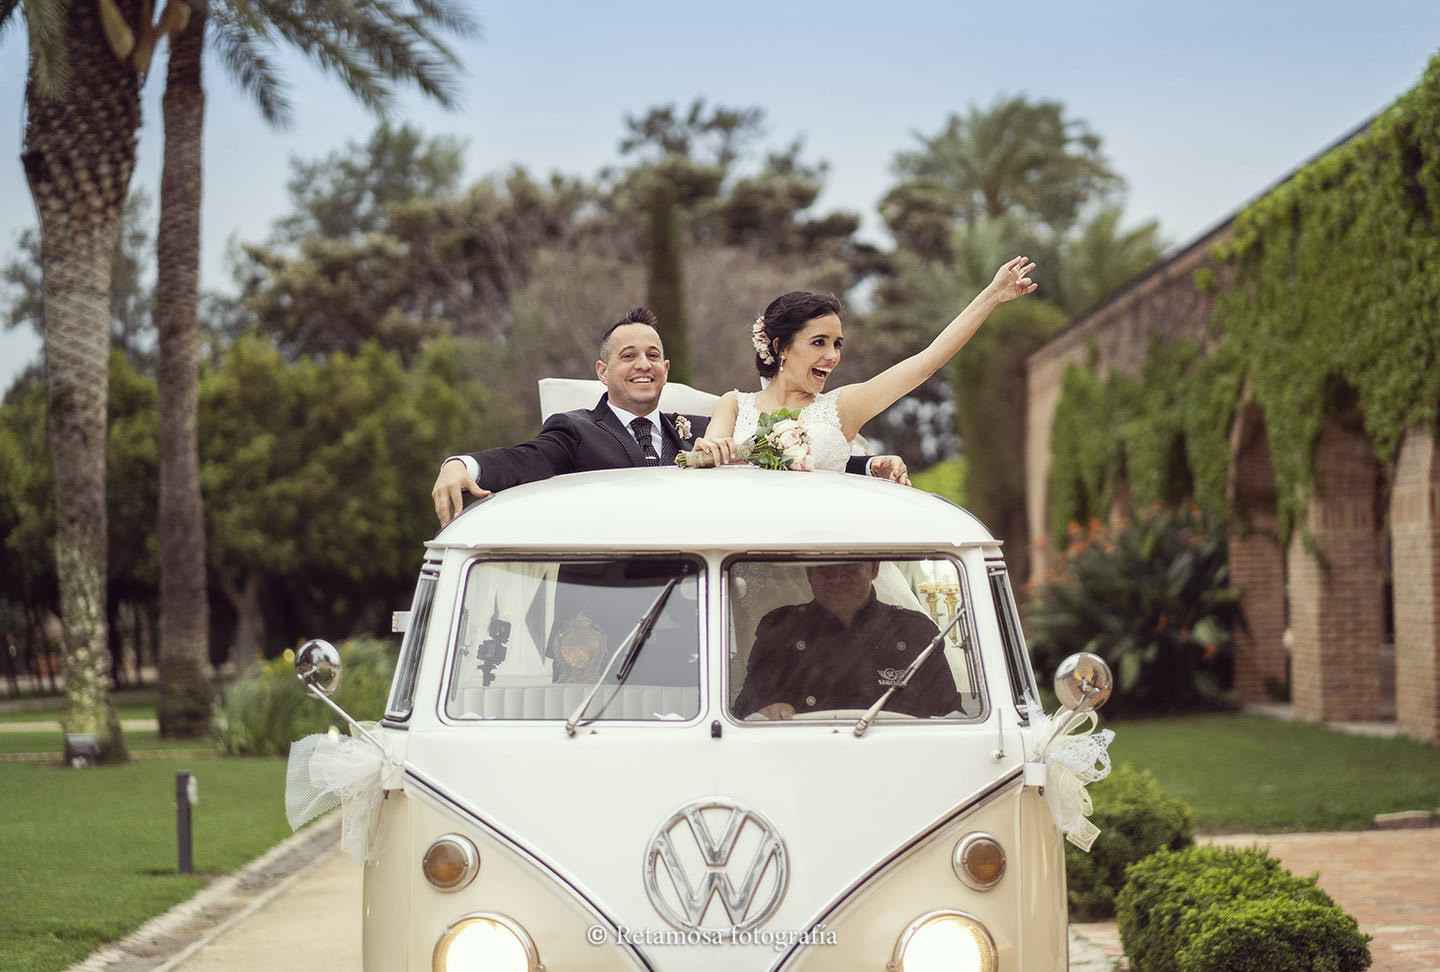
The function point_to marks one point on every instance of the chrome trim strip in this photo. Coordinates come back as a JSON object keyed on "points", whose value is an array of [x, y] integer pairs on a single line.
{"points": [[452, 804]]}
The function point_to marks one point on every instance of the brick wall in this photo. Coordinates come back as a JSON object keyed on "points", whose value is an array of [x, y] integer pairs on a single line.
{"points": [[1163, 303], [1337, 590], [1415, 555]]}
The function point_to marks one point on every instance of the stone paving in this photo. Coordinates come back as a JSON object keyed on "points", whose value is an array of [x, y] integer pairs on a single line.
{"points": [[1388, 879]]}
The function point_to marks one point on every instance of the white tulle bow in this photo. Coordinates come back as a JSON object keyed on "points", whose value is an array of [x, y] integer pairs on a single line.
{"points": [[1074, 755], [330, 770]]}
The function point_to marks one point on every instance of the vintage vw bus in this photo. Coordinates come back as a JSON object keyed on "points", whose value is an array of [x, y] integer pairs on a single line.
{"points": [[569, 784]]}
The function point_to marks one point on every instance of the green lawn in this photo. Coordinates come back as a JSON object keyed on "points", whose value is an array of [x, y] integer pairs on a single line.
{"points": [[129, 704], [1247, 773], [136, 740], [90, 855]]}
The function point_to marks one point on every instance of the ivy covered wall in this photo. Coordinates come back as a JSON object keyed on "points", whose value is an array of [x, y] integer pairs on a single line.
{"points": [[1330, 297]]}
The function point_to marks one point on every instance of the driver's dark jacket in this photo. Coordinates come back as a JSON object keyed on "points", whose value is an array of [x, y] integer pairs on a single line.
{"points": [[804, 655]]}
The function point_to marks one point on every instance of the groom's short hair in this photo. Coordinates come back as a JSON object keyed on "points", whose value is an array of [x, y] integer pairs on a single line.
{"points": [[640, 315]]}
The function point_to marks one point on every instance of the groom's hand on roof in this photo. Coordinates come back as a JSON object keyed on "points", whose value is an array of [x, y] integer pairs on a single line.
{"points": [[450, 488], [891, 468]]}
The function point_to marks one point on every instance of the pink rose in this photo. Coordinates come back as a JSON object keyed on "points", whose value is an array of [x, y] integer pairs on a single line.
{"points": [[791, 438]]}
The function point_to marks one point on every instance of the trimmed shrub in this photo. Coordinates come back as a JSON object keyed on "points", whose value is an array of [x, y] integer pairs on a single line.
{"points": [[1136, 818], [1277, 935], [263, 711], [1174, 900]]}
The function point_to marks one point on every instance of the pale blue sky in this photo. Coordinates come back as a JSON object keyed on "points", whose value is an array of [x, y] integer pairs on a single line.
{"points": [[1200, 105]]}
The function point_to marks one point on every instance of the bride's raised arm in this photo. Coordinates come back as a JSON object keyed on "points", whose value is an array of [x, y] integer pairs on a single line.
{"points": [[861, 402]]}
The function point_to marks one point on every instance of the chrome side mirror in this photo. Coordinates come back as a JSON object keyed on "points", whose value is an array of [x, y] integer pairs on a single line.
{"points": [[1082, 682], [317, 664]]}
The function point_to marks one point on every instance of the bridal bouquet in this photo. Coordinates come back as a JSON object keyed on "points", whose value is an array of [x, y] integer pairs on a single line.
{"points": [[780, 442]]}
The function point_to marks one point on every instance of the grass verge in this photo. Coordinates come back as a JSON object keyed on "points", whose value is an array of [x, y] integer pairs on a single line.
{"points": [[90, 855], [1252, 774], [136, 740]]}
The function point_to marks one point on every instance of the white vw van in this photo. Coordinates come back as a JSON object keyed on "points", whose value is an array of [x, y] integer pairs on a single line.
{"points": [[569, 783]]}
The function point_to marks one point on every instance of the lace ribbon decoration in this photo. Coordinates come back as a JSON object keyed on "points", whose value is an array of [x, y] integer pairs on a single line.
{"points": [[1074, 755], [328, 770]]}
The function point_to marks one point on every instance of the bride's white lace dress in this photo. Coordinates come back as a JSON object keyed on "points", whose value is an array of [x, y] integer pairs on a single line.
{"points": [[770, 585], [828, 446]]}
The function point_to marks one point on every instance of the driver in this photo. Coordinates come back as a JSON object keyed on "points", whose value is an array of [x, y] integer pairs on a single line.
{"points": [[842, 650]]}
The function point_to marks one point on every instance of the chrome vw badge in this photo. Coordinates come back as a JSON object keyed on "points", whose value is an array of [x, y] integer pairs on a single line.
{"points": [[715, 848]]}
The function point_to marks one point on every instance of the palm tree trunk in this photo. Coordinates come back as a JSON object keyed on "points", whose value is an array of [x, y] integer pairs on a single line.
{"points": [[184, 708], [78, 156]]}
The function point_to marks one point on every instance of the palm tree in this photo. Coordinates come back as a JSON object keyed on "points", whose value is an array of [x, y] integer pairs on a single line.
{"points": [[1014, 159], [82, 110], [371, 45]]}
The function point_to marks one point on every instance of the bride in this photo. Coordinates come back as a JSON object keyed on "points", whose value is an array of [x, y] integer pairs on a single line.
{"points": [[798, 341]]}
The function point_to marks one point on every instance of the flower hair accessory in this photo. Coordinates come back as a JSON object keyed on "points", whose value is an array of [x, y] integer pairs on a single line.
{"points": [[757, 338]]}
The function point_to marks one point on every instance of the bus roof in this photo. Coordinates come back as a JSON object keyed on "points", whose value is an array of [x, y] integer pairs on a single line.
{"points": [[694, 509]]}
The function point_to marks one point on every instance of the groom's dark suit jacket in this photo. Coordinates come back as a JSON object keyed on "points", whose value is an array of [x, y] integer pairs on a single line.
{"points": [[580, 441]]}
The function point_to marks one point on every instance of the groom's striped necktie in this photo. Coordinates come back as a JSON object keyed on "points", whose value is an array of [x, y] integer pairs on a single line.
{"points": [[641, 427]]}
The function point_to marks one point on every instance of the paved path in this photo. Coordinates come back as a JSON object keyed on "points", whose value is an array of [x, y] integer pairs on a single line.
{"points": [[312, 923]]}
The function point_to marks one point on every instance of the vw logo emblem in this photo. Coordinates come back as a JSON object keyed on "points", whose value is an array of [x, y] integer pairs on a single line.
{"points": [[710, 849]]}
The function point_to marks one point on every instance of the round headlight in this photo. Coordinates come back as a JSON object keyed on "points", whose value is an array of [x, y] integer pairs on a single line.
{"points": [[451, 862], [944, 940], [979, 861], [486, 941]]}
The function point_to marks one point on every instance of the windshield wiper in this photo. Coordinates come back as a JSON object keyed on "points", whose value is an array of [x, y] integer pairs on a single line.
{"points": [[630, 649], [904, 678]]}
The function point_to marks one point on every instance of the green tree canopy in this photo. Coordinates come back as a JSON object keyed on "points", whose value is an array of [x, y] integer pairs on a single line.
{"points": [[316, 472]]}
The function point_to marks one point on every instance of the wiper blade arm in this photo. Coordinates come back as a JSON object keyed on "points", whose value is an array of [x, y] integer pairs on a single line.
{"points": [[904, 679], [630, 649]]}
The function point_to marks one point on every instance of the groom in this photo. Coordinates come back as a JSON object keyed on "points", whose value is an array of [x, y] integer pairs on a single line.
{"points": [[624, 429]]}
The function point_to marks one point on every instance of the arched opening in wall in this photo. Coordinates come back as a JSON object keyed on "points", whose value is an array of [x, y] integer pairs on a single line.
{"points": [[1257, 564], [1343, 664]]}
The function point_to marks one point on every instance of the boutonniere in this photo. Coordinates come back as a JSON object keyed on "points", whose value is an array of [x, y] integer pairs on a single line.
{"points": [[682, 427]]}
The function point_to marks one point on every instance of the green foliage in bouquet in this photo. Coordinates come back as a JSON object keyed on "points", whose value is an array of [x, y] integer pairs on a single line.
{"points": [[780, 442], [1152, 598]]}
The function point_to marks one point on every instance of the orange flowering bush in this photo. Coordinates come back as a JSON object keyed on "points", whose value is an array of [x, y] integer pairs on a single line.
{"points": [[1154, 599]]}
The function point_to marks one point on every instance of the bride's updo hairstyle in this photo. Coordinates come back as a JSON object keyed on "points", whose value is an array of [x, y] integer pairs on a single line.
{"points": [[786, 317]]}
